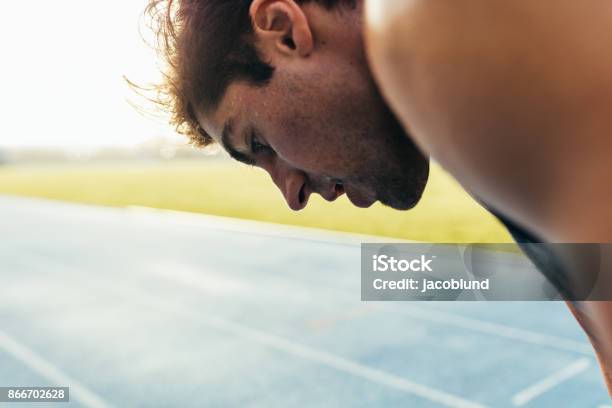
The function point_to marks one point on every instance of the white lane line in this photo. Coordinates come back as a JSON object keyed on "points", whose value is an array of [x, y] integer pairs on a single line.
{"points": [[431, 315], [307, 353], [423, 313], [523, 397], [136, 296], [368, 372], [257, 228], [78, 391], [496, 329], [246, 226]]}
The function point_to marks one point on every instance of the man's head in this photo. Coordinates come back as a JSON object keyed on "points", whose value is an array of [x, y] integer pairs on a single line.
{"points": [[285, 85]]}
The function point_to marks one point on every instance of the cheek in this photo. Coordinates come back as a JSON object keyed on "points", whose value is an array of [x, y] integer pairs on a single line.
{"points": [[322, 132], [299, 140], [298, 147]]}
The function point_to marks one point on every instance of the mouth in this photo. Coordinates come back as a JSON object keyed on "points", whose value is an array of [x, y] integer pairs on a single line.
{"points": [[358, 198], [332, 192], [339, 189]]}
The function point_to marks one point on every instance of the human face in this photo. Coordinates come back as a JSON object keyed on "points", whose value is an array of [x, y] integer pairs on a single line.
{"points": [[321, 126]]}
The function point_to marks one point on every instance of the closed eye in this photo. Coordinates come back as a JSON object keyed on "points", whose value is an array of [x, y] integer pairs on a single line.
{"points": [[257, 146]]}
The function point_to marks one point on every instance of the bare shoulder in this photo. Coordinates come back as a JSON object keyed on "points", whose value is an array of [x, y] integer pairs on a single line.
{"points": [[514, 98], [483, 43], [392, 29], [428, 56]]}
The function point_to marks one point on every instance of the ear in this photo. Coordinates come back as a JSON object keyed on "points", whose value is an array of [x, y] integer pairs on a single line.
{"points": [[281, 27]]}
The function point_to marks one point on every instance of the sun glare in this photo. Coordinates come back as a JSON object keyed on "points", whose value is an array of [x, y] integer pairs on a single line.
{"points": [[62, 74]]}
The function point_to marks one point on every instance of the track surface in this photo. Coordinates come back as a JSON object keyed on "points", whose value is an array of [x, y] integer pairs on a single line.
{"points": [[136, 308]]}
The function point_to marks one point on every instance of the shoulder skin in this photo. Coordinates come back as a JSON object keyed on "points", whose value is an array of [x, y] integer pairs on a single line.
{"points": [[514, 98]]}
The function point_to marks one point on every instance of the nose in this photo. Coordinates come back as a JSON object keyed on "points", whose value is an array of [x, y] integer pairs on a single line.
{"points": [[292, 183]]}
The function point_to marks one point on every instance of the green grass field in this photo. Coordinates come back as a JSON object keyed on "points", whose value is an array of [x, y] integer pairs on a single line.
{"points": [[446, 213]]}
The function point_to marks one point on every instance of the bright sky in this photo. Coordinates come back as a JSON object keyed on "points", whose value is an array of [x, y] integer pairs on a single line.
{"points": [[61, 74]]}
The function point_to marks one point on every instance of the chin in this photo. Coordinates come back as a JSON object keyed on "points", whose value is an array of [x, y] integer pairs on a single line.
{"points": [[402, 204], [405, 197]]}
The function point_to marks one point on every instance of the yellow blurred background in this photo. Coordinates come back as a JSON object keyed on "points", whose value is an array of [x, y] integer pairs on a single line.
{"points": [[219, 187]]}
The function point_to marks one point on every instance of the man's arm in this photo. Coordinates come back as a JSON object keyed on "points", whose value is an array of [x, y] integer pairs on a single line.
{"points": [[591, 316]]}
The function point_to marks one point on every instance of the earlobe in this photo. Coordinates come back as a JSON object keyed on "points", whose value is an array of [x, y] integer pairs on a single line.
{"points": [[280, 26]]}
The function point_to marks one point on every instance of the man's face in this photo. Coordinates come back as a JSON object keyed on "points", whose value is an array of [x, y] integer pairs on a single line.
{"points": [[321, 126]]}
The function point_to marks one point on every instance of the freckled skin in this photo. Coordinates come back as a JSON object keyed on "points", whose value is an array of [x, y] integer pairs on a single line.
{"points": [[326, 121], [326, 135]]}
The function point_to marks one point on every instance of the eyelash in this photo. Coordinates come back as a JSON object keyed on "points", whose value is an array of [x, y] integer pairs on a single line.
{"points": [[257, 146]]}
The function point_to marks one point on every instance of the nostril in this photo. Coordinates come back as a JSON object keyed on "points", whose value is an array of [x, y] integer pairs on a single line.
{"points": [[302, 195]]}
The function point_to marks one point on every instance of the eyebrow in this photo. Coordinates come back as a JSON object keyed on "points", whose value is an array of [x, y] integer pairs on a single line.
{"points": [[226, 137]]}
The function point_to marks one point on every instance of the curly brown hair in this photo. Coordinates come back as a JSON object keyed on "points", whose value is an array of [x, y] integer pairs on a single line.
{"points": [[206, 45]]}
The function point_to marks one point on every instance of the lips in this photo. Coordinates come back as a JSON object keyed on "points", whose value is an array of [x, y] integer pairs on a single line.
{"points": [[359, 198], [302, 194], [339, 189], [356, 197]]}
